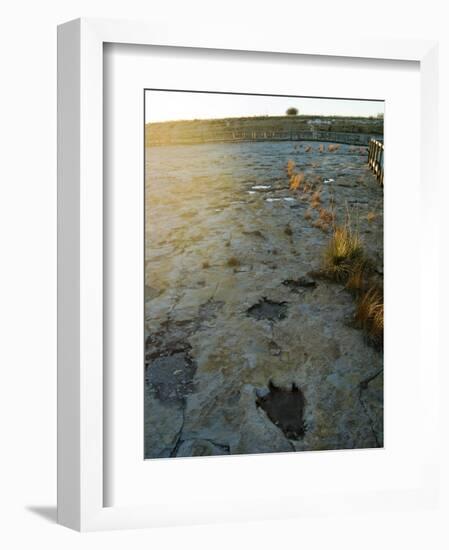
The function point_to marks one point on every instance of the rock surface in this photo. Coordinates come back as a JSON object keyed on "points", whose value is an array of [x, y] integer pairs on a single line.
{"points": [[218, 331]]}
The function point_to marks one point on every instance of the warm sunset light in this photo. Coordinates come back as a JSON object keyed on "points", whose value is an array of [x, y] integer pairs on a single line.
{"points": [[264, 311]]}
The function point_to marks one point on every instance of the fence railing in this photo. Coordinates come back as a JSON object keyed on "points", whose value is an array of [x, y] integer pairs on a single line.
{"points": [[376, 159], [224, 135]]}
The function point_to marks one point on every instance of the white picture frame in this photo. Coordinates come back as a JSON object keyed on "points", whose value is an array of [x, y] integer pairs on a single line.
{"points": [[81, 489]]}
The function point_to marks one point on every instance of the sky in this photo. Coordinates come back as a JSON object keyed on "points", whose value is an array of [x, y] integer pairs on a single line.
{"points": [[170, 105]]}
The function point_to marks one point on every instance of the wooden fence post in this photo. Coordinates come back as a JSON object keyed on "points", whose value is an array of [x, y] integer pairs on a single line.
{"points": [[375, 159]]}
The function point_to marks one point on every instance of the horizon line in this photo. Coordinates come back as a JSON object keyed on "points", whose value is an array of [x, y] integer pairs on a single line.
{"points": [[299, 115]]}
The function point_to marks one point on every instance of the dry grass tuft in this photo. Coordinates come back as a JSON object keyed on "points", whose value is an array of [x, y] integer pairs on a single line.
{"points": [[342, 253], [357, 276], [315, 180], [205, 265], [371, 216], [290, 167], [320, 224], [369, 314], [233, 262], [321, 148], [306, 188], [308, 148], [308, 214], [315, 199], [332, 147], [345, 262], [296, 180], [326, 216]]}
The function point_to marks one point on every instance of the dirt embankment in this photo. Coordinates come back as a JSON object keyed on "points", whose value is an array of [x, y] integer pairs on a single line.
{"points": [[259, 129]]}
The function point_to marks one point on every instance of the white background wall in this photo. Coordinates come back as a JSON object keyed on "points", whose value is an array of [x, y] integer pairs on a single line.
{"points": [[28, 267]]}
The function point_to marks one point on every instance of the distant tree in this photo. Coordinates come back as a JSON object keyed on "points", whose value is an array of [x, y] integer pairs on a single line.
{"points": [[292, 111], [380, 115]]}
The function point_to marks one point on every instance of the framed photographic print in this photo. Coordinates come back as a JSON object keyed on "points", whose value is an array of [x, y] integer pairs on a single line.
{"points": [[229, 231]]}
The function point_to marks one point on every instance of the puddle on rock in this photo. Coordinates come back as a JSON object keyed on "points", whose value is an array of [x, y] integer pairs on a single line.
{"points": [[285, 408], [267, 309], [261, 187]]}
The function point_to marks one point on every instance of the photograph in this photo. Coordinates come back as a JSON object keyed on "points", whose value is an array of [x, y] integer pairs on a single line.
{"points": [[206, 229], [264, 308]]}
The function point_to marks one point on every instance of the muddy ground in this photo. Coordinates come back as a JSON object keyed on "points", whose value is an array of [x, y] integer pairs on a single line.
{"points": [[245, 352]]}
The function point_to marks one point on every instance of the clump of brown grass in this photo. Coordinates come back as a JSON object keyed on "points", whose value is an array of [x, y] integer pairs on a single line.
{"points": [[326, 216], [321, 148], [306, 187], [290, 167], [315, 199], [288, 230], [296, 180], [205, 265], [357, 276], [314, 180], [320, 224], [233, 262], [369, 314], [332, 147], [343, 251], [308, 214], [308, 148], [371, 216]]}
